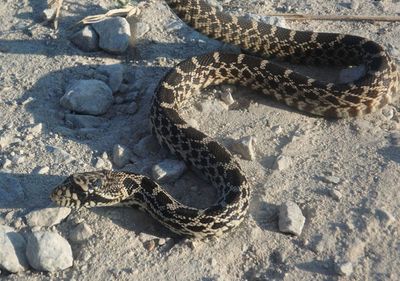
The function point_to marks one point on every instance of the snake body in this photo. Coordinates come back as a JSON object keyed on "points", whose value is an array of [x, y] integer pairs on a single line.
{"points": [[367, 94]]}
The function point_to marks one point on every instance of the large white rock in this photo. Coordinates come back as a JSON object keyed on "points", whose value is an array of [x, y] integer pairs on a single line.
{"points": [[47, 216], [91, 97], [114, 33], [48, 251], [12, 251], [291, 219]]}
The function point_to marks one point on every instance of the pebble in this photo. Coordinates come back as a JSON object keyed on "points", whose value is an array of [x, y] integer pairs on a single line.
{"points": [[11, 189], [388, 112], [130, 108], [140, 29], [41, 170], [60, 154], [351, 74], [84, 121], [385, 217], [48, 14], [168, 170], [245, 147], [48, 251], [12, 250], [149, 245], [147, 145], [291, 219], [335, 194], [282, 162], [331, 179], [6, 163], [80, 94], [47, 216], [36, 129], [344, 268], [103, 163], [115, 74], [226, 96], [86, 39], [114, 33], [121, 155], [81, 233]]}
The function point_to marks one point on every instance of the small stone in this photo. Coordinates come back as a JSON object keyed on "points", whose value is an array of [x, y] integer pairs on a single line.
{"points": [[114, 33], [12, 251], [103, 163], [81, 94], [335, 194], [161, 241], [81, 233], [344, 269], [47, 216], [291, 219], [385, 217], [226, 96], [147, 145], [84, 121], [115, 73], [388, 112], [277, 129], [48, 251], [331, 179], [150, 245], [86, 39], [37, 129], [121, 155], [245, 147], [168, 170], [193, 123], [282, 162], [351, 74], [6, 163], [60, 154], [48, 14], [140, 29], [41, 170]]}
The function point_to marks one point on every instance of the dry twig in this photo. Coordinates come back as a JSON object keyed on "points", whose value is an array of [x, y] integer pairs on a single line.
{"points": [[336, 17]]}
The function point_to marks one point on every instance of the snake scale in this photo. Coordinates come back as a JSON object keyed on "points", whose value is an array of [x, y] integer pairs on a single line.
{"points": [[263, 41]]}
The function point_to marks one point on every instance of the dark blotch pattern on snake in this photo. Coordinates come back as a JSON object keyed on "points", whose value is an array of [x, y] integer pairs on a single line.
{"points": [[367, 94]]}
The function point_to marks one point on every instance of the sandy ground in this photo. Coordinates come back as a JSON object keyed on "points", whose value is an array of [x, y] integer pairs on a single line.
{"points": [[36, 64]]}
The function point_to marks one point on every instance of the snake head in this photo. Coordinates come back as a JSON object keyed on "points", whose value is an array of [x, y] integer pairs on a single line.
{"points": [[90, 189]]}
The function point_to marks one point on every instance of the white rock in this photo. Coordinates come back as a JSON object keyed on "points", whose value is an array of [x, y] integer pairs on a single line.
{"points": [[37, 129], [86, 39], [291, 219], [60, 154], [115, 74], [226, 97], [351, 74], [10, 189], [121, 155], [92, 97], [331, 179], [81, 233], [12, 251], [84, 121], [335, 194], [48, 14], [245, 147], [114, 33], [48, 251], [344, 269], [282, 162], [168, 170], [147, 145], [6, 163], [41, 170], [47, 216], [193, 123]]}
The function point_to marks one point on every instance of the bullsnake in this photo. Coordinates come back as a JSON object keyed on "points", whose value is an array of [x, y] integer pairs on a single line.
{"points": [[264, 42]]}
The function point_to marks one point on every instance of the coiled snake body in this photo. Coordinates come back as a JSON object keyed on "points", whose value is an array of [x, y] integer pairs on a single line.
{"points": [[364, 95]]}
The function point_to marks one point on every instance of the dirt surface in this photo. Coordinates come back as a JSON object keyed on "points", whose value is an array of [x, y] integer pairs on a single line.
{"points": [[362, 156]]}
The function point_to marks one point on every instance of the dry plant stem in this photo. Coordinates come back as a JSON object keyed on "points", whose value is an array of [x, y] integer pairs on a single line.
{"points": [[336, 18]]}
